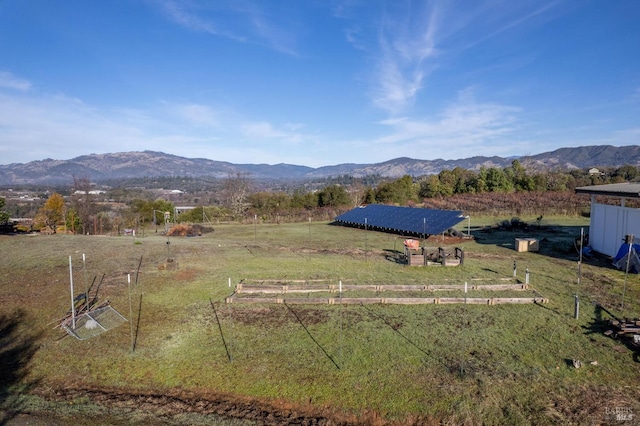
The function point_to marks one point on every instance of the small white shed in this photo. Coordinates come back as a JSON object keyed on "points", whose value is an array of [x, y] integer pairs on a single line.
{"points": [[611, 223]]}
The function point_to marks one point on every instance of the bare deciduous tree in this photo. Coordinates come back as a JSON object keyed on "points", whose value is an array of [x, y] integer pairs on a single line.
{"points": [[236, 190], [83, 201]]}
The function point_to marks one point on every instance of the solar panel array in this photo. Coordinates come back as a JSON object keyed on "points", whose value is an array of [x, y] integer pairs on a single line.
{"points": [[407, 220]]}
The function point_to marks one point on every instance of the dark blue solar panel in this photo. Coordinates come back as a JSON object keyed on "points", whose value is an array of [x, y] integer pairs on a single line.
{"points": [[402, 219]]}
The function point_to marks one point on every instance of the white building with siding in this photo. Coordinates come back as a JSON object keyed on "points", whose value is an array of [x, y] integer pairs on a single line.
{"points": [[610, 224]]}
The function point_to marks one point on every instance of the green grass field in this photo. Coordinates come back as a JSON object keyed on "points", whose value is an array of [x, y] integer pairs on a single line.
{"points": [[454, 364]]}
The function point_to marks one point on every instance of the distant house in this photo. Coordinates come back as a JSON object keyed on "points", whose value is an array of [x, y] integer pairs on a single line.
{"points": [[163, 191], [594, 172], [610, 224], [182, 209], [92, 192]]}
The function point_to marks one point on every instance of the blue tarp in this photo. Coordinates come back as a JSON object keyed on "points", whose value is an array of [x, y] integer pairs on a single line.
{"points": [[622, 254]]}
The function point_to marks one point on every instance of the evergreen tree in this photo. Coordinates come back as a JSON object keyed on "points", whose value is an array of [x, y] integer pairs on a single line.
{"points": [[4, 216]]}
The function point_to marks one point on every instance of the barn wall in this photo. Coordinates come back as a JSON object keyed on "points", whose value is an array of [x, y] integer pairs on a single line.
{"points": [[609, 225]]}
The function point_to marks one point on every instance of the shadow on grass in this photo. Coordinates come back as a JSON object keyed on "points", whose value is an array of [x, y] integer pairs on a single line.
{"points": [[451, 368], [18, 345], [553, 241], [545, 307], [224, 342], [395, 257], [311, 336], [602, 325], [135, 340]]}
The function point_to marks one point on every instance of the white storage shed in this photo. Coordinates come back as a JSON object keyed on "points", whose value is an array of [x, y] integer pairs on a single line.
{"points": [[611, 223]]}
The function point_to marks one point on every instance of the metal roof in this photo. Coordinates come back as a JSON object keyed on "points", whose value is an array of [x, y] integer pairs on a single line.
{"points": [[622, 190], [411, 220]]}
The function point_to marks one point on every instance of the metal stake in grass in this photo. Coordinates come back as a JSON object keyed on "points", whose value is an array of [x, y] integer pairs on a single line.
{"points": [[366, 247], [464, 325], [231, 333], [340, 295], [130, 311], [309, 236], [86, 291], [73, 305], [577, 298]]}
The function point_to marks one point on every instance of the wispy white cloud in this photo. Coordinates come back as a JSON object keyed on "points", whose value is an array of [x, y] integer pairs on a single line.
{"points": [[36, 125], [262, 130], [630, 136], [354, 38], [196, 114], [192, 16], [272, 35], [416, 37], [495, 19], [469, 127], [407, 39], [463, 125], [243, 22], [9, 81], [60, 127], [182, 16], [39, 126]]}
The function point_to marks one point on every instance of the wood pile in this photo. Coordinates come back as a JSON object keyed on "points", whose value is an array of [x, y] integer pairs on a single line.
{"points": [[629, 328]]}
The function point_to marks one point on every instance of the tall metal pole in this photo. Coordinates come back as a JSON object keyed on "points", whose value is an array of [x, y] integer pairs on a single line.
{"points": [[624, 289], [130, 310], [340, 294], [464, 326], [576, 313], [73, 306], [580, 257], [366, 247], [86, 290], [231, 332], [309, 236]]}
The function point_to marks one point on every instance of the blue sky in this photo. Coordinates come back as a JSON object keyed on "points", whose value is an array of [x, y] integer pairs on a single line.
{"points": [[316, 82]]}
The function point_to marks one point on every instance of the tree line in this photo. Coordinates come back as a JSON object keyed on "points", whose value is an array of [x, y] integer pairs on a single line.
{"points": [[490, 190], [408, 190]]}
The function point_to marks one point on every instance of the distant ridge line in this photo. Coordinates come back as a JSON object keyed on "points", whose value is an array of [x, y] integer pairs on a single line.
{"points": [[145, 164]]}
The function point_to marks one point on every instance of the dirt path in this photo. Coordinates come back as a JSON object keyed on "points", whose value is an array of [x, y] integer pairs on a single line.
{"points": [[167, 405]]}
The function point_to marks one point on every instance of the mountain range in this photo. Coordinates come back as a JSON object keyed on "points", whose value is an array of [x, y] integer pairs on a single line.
{"points": [[124, 165]]}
